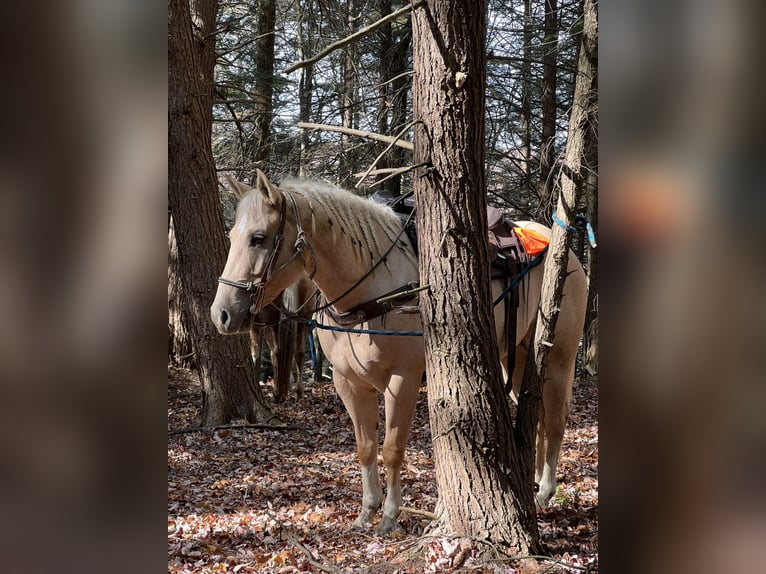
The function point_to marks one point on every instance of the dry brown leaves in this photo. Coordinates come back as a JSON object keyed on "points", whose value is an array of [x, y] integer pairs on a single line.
{"points": [[274, 501]]}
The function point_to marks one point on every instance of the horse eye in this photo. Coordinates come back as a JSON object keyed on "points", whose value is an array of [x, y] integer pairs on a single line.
{"points": [[256, 239]]}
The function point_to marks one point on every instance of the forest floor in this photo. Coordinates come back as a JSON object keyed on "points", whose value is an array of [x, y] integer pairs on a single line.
{"points": [[283, 501]]}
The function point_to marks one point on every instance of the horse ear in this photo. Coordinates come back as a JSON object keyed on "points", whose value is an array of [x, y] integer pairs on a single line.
{"points": [[237, 187], [267, 189]]}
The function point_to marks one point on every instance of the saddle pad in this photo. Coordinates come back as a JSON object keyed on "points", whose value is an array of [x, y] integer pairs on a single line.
{"points": [[532, 241]]}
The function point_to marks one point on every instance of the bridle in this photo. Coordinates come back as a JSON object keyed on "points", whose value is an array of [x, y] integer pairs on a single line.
{"points": [[257, 288]]}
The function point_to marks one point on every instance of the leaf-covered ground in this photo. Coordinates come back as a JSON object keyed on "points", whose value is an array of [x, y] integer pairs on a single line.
{"points": [[283, 501]]}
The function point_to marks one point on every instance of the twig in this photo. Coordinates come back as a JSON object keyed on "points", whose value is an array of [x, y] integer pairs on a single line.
{"points": [[355, 36], [311, 559], [398, 171], [546, 558], [425, 513], [407, 73], [397, 137], [381, 171], [360, 133], [226, 427]]}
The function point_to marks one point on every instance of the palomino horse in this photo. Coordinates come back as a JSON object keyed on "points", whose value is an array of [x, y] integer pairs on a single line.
{"points": [[355, 252], [285, 337]]}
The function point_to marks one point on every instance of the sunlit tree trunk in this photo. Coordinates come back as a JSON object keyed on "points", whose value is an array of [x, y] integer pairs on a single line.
{"points": [[573, 173], [229, 387], [481, 490]]}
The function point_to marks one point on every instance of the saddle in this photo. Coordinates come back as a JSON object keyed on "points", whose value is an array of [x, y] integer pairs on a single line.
{"points": [[403, 206], [507, 255]]}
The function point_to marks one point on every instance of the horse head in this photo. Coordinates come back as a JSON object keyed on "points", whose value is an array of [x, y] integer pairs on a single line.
{"points": [[264, 256]]}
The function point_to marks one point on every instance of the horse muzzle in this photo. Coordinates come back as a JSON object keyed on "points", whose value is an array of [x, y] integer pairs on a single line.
{"points": [[230, 317]]}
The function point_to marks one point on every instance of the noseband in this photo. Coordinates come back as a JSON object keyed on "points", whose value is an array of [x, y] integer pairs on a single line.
{"points": [[257, 288]]}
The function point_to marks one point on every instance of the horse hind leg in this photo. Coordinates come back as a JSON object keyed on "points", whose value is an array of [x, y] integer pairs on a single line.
{"points": [[556, 396], [401, 397], [362, 406]]}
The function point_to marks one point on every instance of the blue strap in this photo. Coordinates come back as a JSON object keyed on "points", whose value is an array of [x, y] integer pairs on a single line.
{"points": [[589, 231], [312, 345], [538, 258], [562, 224], [313, 324], [579, 219]]}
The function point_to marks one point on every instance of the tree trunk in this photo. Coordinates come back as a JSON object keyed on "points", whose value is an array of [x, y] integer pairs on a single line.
{"points": [[264, 83], [180, 352], [526, 98], [590, 343], [385, 59], [229, 387], [554, 275], [481, 491], [306, 84], [348, 94], [547, 144]]}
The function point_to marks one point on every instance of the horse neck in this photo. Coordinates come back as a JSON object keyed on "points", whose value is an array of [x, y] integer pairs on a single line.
{"points": [[342, 259]]}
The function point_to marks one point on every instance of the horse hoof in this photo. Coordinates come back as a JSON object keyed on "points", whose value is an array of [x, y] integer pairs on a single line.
{"points": [[364, 520], [386, 526], [543, 499]]}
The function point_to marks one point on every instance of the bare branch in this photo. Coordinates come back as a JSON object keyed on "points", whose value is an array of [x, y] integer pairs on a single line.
{"points": [[397, 137], [369, 135], [353, 37], [425, 513]]}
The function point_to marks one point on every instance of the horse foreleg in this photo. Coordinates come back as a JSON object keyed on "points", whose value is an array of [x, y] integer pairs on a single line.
{"points": [[362, 406], [401, 396]]}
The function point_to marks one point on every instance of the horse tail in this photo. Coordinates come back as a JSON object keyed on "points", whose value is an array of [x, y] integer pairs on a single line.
{"points": [[286, 343]]}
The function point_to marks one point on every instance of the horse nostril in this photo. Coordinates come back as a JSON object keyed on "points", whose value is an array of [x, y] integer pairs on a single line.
{"points": [[224, 318]]}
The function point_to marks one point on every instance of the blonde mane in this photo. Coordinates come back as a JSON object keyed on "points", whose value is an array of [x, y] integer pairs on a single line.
{"points": [[371, 226]]}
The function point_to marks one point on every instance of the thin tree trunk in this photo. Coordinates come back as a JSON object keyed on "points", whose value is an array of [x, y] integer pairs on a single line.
{"points": [[547, 144], [526, 96], [264, 83], [305, 86], [385, 57], [399, 90], [348, 94], [481, 491], [229, 387], [590, 342], [554, 275], [180, 352]]}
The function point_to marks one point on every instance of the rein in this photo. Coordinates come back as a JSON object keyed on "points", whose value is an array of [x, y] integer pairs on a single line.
{"points": [[257, 288]]}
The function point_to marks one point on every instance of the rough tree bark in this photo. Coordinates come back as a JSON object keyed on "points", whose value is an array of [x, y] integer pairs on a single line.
{"points": [[481, 491], [263, 107], [573, 172], [526, 97], [348, 94], [547, 144], [180, 353], [306, 83], [229, 387]]}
